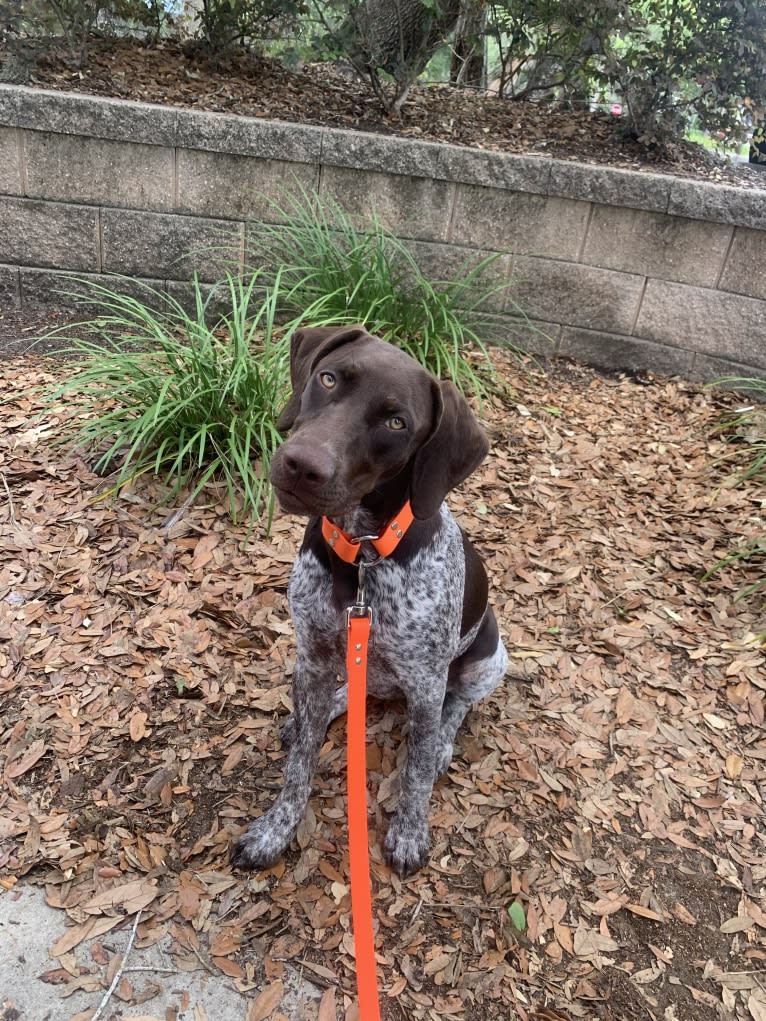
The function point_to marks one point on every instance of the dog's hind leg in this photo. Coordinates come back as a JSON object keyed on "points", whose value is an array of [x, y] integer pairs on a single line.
{"points": [[472, 676]]}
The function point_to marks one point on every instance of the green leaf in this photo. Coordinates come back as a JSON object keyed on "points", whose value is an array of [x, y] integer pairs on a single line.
{"points": [[517, 916]]}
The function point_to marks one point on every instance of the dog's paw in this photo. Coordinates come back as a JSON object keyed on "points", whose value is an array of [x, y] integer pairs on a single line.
{"points": [[406, 846], [260, 846]]}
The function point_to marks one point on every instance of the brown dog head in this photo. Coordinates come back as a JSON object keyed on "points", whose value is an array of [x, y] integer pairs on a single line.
{"points": [[366, 417]]}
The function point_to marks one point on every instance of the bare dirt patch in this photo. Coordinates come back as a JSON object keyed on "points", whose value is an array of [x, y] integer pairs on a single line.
{"points": [[613, 786]]}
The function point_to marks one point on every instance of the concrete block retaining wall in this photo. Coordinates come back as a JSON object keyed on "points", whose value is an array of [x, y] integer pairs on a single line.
{"points": [[619, 268]]}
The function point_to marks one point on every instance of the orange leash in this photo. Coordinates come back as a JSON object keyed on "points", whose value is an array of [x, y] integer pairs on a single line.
{"points": [[359, 624]]}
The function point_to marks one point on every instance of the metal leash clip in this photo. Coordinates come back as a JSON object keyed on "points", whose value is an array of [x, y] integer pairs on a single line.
{"points": [[360, 607]]}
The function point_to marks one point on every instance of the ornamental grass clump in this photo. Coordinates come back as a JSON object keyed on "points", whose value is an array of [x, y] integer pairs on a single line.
{"points": [[333, 272], [191, 397], [745, 429]]}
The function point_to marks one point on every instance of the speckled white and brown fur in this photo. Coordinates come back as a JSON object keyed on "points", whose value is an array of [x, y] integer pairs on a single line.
{"points": [[436, 642]]}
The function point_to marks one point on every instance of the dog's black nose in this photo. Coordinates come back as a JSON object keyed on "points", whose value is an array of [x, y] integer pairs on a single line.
{"points": [[296, 466]]}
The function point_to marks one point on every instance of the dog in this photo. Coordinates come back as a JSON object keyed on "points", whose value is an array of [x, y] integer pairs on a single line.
{"points": [[370, 430]]}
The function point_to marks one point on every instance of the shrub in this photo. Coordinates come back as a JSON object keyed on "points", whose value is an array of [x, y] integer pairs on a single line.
{"points": [[192, 397], [671, 63], [678, 63], [77, 19], [396, 37], [225, 24], [333, 272], [550, 46], [149, 18]]}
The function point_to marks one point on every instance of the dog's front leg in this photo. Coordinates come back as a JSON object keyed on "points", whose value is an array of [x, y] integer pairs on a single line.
{"points": [[267, 837], [407, 842]]}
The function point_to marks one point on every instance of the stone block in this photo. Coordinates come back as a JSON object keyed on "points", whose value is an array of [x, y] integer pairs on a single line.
{"points": [[725, 372], [10, 295], [217, 296], [363, 150], [705, 321], [745, 270], [242, 187], [256, 254], [609, 186], [654, 244], [50, 234], [743, 207], [495, 169], [10, 162], [411, 207], [99, 171], [528, 335], [613, 351], [575, 295], [513, 221], [248, 136], [443, 263], [75, 114], [367, 151], [41, 289], [170, 246], [10, 103]]}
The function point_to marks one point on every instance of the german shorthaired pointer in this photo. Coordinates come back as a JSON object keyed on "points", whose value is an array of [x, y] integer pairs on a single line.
{"points": [[371, 429]]}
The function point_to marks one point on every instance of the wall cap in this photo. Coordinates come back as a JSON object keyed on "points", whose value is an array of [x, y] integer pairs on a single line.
{"points": [[151, 124]]}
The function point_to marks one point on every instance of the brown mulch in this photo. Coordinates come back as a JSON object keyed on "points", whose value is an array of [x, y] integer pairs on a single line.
{"points": [[612, 787], [323, 94]]}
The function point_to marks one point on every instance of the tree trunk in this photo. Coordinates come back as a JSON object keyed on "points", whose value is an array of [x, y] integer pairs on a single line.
{"points": [[399, 36], [467, 64]]}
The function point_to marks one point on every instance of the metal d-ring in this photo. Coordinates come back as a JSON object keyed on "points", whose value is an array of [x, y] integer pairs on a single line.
{"points": [[360, 607], [362, 538]]}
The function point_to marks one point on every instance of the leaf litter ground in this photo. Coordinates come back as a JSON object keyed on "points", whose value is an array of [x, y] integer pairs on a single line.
{"points": [[612, 787]]}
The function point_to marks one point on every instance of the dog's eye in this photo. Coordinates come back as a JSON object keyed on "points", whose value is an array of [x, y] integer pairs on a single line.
{"points": [[396, 423], [327, 379]]}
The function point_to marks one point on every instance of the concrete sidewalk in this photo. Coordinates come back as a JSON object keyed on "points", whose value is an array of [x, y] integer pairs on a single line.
{"points": [[162, 987]]}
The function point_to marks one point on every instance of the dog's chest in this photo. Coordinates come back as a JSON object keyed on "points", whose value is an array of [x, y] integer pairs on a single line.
{"points": [[416, 612]]}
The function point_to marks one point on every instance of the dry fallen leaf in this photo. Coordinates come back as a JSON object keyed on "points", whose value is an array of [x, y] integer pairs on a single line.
{"points": [[683, 915], [137, 726], [26, 761], [327, 1006], [739, 923], [756, 1004], [129, 897], [266, 1002], [639, 909], [228, 967]]}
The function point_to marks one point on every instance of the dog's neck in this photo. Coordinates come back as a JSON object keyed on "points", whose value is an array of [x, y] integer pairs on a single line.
{"points": [[376, 509]]}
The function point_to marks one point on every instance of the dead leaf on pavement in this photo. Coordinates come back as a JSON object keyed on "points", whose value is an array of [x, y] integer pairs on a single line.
{"points": [[266, 1002]]}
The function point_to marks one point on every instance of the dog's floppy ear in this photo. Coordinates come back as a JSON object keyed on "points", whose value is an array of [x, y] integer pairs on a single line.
{"points": [[457, 445], [307, 346]]}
